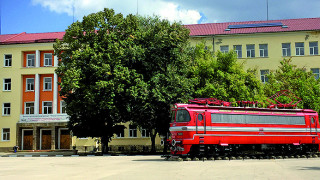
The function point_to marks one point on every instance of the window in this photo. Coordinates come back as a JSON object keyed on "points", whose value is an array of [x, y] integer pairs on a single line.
{"points": [[47, 107], [145, 133], [250, 51], [47, 59], [132, 131], [30, 84], [263, 76], [7, 84], [286, 51], [316, 72], [263, 48], [29, 108], [6, 109], [238, 50], [7, 60], [30, 60], [224, 49], [6, 134], [120, 131], [313, 48], [300, 49], [183, 116], [63, 107], [47, 84]]}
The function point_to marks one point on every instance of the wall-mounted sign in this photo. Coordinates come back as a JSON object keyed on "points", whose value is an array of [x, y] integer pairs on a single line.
{"points": [[44, 118]]}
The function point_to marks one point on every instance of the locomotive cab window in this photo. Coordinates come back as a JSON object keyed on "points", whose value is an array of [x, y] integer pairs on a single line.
{"points": [[183, 116], [173, 113]]}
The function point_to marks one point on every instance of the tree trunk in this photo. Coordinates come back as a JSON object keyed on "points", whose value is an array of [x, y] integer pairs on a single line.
{"points": [[104, 144], [153, 142]]}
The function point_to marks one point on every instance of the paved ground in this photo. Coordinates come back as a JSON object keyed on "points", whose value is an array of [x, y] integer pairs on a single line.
{"points": [[154, 167]]}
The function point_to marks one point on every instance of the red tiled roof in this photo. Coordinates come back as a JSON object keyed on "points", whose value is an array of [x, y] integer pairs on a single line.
{"points": [[304, 24], [24, 38]]}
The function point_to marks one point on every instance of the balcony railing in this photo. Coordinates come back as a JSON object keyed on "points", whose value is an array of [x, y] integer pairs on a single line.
{"points": [[39, 118]]}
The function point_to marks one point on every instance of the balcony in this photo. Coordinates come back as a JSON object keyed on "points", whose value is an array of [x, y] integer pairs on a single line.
{"points": [[43, 118]]}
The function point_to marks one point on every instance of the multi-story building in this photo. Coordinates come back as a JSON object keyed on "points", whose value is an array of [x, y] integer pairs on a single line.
{"points": [[32, 112], [263, 44]]}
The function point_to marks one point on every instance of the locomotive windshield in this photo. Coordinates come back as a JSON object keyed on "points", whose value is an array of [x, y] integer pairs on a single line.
{"points": [[183, 116]]}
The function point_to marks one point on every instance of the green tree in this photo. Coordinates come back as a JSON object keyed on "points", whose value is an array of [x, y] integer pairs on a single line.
{"points": [[95, 82], [163, 65], [297, 80], [118, 69], [223, 77]]}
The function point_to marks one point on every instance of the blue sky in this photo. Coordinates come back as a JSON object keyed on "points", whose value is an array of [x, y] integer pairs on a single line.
{"points": [[34, 16]]}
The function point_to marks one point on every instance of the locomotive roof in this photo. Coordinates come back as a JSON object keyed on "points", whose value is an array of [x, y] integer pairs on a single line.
{"points": [[200, 106]]}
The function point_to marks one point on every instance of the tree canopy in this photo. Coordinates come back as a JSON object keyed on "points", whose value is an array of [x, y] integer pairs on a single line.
{"points": [[297, 80], [117, 69], [222, 76]]}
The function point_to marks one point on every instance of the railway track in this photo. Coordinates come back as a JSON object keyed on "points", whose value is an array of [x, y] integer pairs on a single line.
{"points": [[246, 157]]}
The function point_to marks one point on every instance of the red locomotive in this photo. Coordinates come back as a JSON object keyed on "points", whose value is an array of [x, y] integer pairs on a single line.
{"points": [[210, 127]]}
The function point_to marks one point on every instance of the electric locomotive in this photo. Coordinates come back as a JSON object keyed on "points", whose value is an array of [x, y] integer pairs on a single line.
{"points": [[210, 127]]}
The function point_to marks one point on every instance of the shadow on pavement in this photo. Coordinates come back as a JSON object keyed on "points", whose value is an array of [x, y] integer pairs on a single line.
{"points": [[310, 168]]}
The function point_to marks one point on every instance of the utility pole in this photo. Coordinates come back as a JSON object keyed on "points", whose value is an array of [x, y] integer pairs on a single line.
{"points": [[0, 16], [267, 10], [137, 7]]}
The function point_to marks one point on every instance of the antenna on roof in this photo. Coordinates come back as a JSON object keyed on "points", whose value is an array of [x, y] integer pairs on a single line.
{"points": [[73, 11], [267, 10], [137, 7], [0, 17]]}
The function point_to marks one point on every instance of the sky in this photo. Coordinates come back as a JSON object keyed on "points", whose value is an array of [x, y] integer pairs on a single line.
{"points": [[36, 16]]}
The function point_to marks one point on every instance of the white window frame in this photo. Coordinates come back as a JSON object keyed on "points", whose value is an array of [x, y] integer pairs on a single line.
{"points": [[263, 77], [25, 108], [47, 62], [287, 50], [7, 135], [6, 111], [6, 86], [61, 107], [263, 52], [133, 132], [239, 52], [144, 133], [27, 84], [47, 107], [47, 84], [313, 48], [251, 52], [316, 74], [299, 50], [7, 60], [34, 59], [225, 50]]}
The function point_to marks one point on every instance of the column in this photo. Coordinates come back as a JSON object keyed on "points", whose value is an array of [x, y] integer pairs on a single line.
{"points": [[55, 94], [37, 58], [36, 93], [55, 61], [35, 134], [53, 138]]}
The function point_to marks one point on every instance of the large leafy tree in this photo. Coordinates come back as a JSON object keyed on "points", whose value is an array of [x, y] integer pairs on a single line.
{"points": [[96, 84], [117, 69], [297, 80], [163, 65], [222, 76]]}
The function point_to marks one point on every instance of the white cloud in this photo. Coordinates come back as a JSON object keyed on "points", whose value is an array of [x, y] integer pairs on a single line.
{"points": [[166, 10]]}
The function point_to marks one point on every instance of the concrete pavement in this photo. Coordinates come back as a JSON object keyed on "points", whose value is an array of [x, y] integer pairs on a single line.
{"points": [[154, 167]]}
